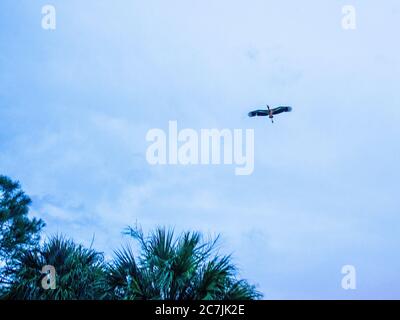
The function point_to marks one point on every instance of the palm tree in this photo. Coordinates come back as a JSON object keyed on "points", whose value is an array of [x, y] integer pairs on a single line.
{"points": [[79, 272], [175, 268]]}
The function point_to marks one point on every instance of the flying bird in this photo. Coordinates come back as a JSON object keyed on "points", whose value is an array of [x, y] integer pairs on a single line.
{"points": [[269, 112]]}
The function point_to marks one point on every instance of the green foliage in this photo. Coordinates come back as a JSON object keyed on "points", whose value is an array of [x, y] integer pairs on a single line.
{"points": [[17, 231], [169, 268], [79, 272]]}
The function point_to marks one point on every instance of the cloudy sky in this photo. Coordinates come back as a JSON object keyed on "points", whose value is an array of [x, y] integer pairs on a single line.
{"points": [[76, 104]]}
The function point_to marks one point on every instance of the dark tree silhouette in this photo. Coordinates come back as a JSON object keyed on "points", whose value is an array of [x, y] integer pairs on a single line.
{"points": [[18, 232], [175, 268], [79, 272]]}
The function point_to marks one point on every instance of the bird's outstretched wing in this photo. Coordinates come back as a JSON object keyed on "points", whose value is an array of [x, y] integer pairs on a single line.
{"points": [[259, 113], [279, 110]]}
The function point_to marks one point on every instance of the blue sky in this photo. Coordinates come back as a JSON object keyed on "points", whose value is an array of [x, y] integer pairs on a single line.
{"points": [[76, 103]]}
